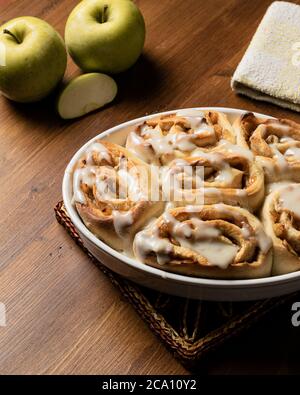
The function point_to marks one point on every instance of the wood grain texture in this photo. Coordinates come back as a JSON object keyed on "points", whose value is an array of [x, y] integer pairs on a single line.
{"points": [[63, 315]]}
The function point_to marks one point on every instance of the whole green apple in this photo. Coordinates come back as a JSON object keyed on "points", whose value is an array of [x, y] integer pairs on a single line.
{"points": [[105, 35], [33, 59]]}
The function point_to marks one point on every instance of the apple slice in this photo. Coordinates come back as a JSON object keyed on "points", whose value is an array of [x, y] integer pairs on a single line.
{"points": [[86, 93]]}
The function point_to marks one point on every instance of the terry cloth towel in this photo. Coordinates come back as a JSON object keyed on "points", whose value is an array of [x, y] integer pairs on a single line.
{"points": [[270, 68]]}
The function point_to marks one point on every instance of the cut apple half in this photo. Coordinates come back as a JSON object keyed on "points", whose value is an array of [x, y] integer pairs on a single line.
{"points": [[86, 93]]}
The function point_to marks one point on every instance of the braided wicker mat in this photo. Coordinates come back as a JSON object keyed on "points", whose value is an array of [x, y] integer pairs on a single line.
{"points": [[189, 328]]}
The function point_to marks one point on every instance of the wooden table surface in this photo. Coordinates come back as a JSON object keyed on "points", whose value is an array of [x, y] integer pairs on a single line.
{"points": [[63, 315]]}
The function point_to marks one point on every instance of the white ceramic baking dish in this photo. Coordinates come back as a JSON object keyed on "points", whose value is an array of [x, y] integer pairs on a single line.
{"points": [[196, 288]]}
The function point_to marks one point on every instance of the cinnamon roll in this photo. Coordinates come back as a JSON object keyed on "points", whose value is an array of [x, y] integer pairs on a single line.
{"points": [[275, 144], [228, 177], [281, 219], [162, 139], [216, 241], [111, 193]]}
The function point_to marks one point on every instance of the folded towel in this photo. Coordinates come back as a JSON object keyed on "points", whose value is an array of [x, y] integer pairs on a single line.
{"points": [[270, 68]]}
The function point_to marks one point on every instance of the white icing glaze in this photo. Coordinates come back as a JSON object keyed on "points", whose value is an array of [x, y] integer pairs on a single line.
{"points": [[286, 139], [106, 188], [293, 152], [195, 227], [216, 252], [86, 176], [222, 208], [209, 191], [166, 144], [226, 175], [193, 208], [242, 193], [178, 228], [215, 158], [245, 230], [180, 179], [190, 113], [236, 149], [197, 120], [196, 235], [279, 157], [160, 143], [275, 186], [183, 142], [129, 185], [266, 164], [138, 147], [147, 242], [264, 241], [100, 149], [121, 221], [289, 198], [169, 206]]}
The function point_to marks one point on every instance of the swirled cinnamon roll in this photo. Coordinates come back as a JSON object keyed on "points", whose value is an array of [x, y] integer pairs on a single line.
{"points": [[111, 193], [215, 177], [217, 241], [281, 218], [275, 144], [162, 139]]}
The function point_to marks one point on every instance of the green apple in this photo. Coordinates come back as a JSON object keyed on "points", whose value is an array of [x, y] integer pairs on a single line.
{"points": [[86, 93], [33, 59], [105, 35]]}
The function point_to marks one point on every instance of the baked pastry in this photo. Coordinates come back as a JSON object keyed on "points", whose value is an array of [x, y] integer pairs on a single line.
{"points": [[111, 193], [229, 177], [281, 219], [274, 142], [162, 139], [217, 241]]}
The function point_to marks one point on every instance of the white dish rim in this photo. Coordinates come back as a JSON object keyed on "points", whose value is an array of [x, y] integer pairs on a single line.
{"points": [[191, 281]]}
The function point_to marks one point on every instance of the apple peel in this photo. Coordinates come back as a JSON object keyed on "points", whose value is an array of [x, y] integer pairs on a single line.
{"points": [[85, 94]]}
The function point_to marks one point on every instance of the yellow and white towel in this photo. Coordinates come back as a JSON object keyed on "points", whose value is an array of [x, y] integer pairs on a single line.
{"points": [[270, 68]]}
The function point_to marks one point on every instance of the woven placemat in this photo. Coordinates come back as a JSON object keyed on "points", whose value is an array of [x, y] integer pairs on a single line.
{"points": [[189, 328]]}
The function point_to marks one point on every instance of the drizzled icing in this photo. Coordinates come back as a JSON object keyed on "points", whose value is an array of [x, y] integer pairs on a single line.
{"points": [[293, 152], [286, 139], [217, 253], [199, 236], [152, 141], [284, 147], [263, 239], [226, 175], [179, 179], [197, 120], [148, 242], [138, 147], [279, 157], [275, 186], [166, 144], [110, 185], [236, 149], [196, 235], [289, 199], [86, 176], [107, 181], [121, 221], [188, 177], [195, 227], [101, 151]]}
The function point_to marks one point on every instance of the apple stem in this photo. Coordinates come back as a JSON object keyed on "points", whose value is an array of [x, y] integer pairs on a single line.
{"points": [[5, 31], [103, 14]]}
